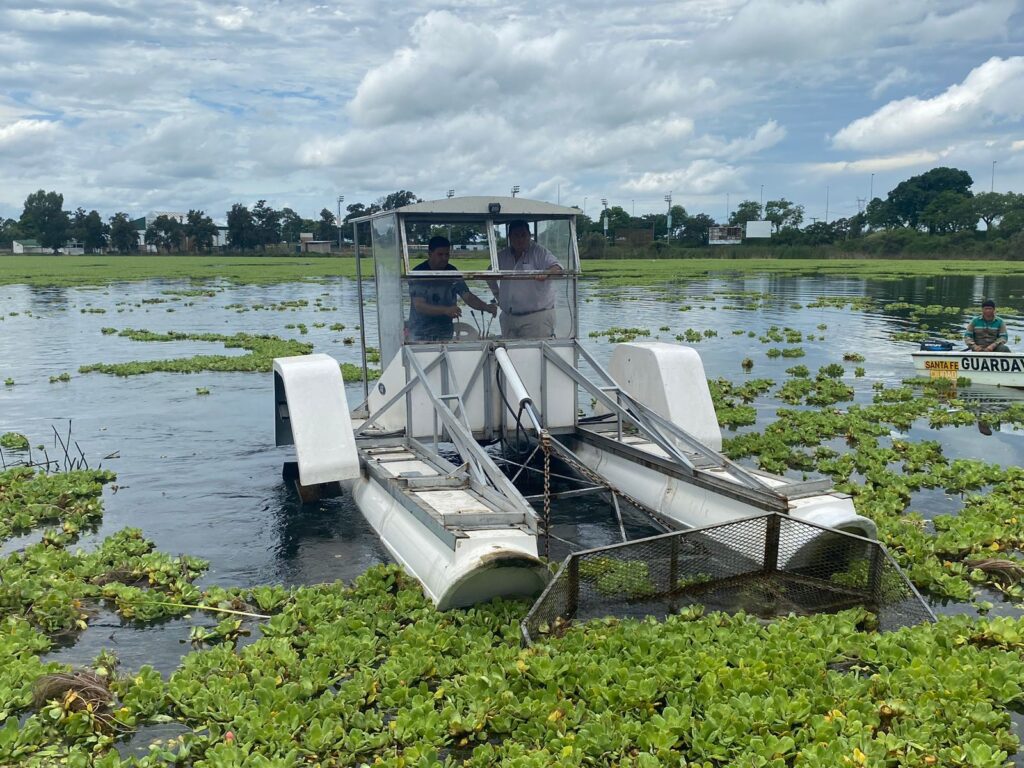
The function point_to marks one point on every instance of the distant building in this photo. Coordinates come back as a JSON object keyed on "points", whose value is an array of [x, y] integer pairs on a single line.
{"points": [[72, 248], [725, 235], [28, 246], [141, 224], [308, 245]]}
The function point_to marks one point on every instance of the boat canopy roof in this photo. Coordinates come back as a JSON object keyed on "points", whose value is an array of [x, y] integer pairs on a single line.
{"points": [[499, 210]]}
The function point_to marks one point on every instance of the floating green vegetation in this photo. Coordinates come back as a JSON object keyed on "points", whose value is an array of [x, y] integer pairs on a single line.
{"points": [[819, 391], [842, 302], [353, 372], [93, 310], [14, 441], [690, 335], [614, 578], [262, 351], [60, 377], [202, 390], [192, 292], [29, 498], [853, 357], [370, 673], [8, 382], [799, 371], [732, 401], [910, 335], [882, 473], [618, 335]]}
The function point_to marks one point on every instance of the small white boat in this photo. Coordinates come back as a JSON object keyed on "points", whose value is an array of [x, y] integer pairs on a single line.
{"points": [[412, 456], [937, 360]]}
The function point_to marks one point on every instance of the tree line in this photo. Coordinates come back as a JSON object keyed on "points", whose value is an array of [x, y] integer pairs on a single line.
{"points": [[938, 202], [44, 220]]}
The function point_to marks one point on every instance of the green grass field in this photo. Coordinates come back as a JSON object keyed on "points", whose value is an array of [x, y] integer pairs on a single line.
{"points": [[104, 269]]}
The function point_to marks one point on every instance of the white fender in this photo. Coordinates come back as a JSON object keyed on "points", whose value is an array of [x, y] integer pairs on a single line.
{"points": [[669, 379], [318, 417]]}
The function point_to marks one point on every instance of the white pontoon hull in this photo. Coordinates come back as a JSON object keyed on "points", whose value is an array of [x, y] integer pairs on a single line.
{"points": [[483, 565], [692, 506]]}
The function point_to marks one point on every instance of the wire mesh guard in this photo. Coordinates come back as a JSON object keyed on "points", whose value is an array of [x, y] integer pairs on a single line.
{"points": [[768, 566]]}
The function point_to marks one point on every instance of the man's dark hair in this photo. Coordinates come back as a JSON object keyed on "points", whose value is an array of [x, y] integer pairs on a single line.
{"points": [[517, 225], [988, 303], [438, 241]]}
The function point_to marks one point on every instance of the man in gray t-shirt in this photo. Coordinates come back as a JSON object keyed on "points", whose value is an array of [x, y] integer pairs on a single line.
{"points": [[527, 305]]}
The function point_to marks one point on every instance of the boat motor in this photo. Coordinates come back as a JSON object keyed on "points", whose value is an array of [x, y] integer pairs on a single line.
{"points": [[936, 345]]}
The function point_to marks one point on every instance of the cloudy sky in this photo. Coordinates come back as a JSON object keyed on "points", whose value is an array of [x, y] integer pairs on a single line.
{"points": [[124, 105]]}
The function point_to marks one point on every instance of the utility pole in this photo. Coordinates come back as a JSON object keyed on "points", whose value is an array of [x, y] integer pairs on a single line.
{"points": [[341, 199], [604, 216], [826, 205], [761, 208], [993, 187], [871, 194], [451, 194]]}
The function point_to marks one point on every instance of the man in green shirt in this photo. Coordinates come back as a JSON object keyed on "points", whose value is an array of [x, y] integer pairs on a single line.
{"points": [[986, 333]]}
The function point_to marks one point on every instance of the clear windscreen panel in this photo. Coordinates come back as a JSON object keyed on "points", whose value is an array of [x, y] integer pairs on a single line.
{"points": [[388, 273], [455, 307], [458, 296], [557, 238]]}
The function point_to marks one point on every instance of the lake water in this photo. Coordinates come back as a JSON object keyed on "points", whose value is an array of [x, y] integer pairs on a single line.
{"points": [[200, 474]]}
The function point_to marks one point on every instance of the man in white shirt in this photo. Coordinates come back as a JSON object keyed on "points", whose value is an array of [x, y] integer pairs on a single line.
{"points": [[527, 305]]}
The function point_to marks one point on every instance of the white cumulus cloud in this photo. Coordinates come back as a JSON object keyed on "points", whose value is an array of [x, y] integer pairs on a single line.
{"points": [[990, 92], [22, 130]]}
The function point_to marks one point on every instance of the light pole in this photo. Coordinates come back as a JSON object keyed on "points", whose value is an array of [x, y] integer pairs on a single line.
{"points": [[515, 190], [871, 193], [668, 219], [826, 205], [584, 206], [761, 206], [993, 187], [604, 216], [341, 199], [451, 194], [634, 209]]}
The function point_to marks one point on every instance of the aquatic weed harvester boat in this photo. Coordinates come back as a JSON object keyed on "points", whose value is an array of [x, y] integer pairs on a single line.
{"points": [[414, 453]]}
